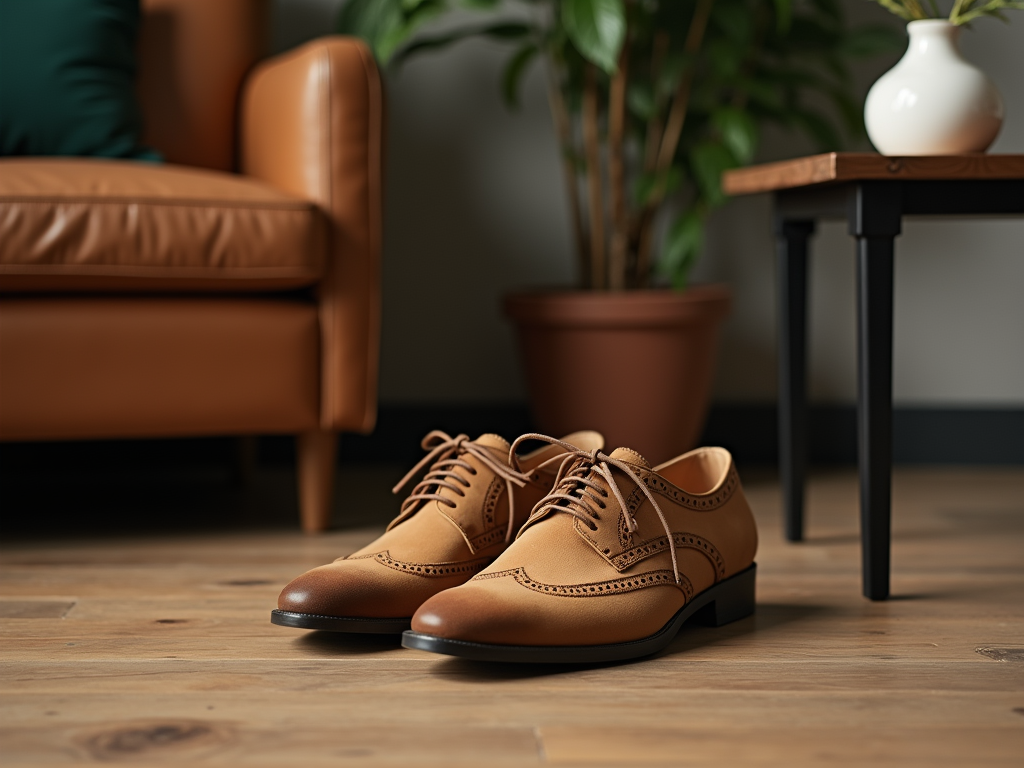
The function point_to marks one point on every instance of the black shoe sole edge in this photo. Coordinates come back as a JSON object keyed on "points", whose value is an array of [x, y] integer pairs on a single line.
{"points": [[728, 601], [339, 623]]}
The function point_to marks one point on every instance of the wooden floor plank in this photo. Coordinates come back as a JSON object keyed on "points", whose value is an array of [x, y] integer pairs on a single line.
{"points": [[665, 677], [158, 650], [788, 745], [283, 741], [520, 706]]}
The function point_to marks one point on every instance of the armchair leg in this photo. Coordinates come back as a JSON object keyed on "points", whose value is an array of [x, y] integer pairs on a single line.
{"points": [[316, 455]]}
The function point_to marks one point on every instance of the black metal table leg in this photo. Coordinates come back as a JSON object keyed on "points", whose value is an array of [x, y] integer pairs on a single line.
{"points": [[874, 210], [875, 215], [792, 249]]}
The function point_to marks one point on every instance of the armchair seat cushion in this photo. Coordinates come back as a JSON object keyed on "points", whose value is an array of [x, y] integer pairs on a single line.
{"points": [[112, 225]]}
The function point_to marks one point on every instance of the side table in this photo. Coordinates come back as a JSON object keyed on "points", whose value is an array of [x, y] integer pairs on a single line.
{"points": [[873, 193]]}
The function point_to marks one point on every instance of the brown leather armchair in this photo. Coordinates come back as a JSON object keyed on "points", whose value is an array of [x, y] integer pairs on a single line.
{"points": [[188, 299]]}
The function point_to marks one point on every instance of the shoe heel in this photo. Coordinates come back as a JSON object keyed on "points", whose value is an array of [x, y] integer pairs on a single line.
{"points": [[734, 600]]}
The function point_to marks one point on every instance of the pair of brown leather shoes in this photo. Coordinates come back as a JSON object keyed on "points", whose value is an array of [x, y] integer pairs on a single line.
{"points": [[564, 554]]}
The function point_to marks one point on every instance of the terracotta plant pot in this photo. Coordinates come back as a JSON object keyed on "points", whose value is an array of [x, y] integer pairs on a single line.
{"points": [[635, 365]]}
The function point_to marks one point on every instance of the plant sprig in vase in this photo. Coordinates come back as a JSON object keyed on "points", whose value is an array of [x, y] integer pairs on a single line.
{"points": [[963, 11], [652, 100]]}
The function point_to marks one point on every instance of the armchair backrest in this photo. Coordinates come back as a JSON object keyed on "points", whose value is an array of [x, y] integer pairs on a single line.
{"points": [[193, 56]]}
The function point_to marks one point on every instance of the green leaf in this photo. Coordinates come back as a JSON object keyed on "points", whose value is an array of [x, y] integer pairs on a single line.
{"points": [[386, 25], [725, 58], [514, 74], [734, 21], [373, 21], [762, 93], [509, 30], [832, 9], [682, 246], [675, 65], [394, 40], [818, 128], [646, 183], [850, 109], [597, 28], [739, 132], [873, 40], [500, 31], [640, 98], [709, 160], [783, 15]]}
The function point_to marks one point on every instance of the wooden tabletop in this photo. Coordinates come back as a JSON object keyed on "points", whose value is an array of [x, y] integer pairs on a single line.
{"points": [[857, 166]]}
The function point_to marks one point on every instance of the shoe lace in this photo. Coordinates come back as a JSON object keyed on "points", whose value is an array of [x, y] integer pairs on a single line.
{"points": [[444, 454], [577, 493]]}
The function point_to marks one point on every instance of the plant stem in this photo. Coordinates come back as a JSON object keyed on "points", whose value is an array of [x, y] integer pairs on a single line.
{"points": [[617, 173], [560, 114], [643, 247], [592, 151], [640, 230], [966, 11], [754, 53], [670, 139], [681, 100], [595, 198], [916, 9], [898, 7], [654, 125]]}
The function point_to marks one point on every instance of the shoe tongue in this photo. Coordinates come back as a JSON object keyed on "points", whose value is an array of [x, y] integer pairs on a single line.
{"points": [[497, 442], [630, 456]]}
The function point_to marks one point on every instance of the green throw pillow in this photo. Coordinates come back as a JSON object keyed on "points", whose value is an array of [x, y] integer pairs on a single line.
{"points": [[67, 78]]}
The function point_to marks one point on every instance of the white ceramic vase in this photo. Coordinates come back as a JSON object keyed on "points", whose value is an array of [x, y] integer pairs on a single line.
{"points": [[933, 102]]}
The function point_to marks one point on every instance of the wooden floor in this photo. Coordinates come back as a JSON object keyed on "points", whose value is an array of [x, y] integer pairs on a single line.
{"points": [[157, 649]]}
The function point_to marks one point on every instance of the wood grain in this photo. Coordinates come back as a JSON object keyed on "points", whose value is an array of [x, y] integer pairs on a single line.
{"points": [[35, 609], [848, 166], [166, 656], [761, 746]]}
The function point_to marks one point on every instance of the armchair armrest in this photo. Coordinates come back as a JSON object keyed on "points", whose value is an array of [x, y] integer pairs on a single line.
{"points": [[311, 124]]}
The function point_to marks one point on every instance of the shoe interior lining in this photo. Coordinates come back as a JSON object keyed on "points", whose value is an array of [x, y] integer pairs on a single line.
{"points": [[701, 471]]}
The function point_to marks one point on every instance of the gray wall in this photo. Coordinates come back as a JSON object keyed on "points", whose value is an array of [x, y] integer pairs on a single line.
{"points": [[475, 208]]}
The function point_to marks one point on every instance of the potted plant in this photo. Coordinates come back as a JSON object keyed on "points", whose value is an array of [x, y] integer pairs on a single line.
{"points": [[652, 100], [935, 102]]}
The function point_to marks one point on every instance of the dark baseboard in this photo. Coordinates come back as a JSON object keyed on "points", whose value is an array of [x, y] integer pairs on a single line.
{"points": [[980, 436], [968, 436]]}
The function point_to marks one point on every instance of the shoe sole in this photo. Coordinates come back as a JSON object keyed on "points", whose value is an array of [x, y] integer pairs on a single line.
{"points": [[340, 623], [729, 601]]}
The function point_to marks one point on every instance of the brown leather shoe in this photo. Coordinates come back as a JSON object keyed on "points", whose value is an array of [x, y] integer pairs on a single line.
{"points": [[452, 525], [591, 576]]}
